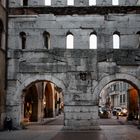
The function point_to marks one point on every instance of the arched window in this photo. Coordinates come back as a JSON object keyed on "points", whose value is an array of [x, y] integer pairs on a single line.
{"points": [[93, 41], [47, 2], [23, 40], [92, 2], [1, 30], [70, 2], [115, 2], [46, 37], [70, 41], [116, 41], [25, 2], [138, 39]]}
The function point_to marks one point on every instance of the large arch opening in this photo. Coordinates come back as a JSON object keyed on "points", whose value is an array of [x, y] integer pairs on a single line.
{"points": [[119, 102], [41, 100]]}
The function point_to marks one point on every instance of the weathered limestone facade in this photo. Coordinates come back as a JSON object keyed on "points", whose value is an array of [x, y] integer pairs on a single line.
{"points": [[2, 59], [81, 72]]}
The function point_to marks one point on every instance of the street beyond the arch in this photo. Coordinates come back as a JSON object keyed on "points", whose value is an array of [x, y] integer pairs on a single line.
{"points": [[111, 129]]}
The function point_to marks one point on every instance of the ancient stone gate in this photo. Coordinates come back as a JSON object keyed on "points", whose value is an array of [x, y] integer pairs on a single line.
{"points": [[81, 72], [81, 82]]}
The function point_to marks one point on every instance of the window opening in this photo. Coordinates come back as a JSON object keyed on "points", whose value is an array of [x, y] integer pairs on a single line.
{"points": [[46, 36], [115, 2], [116, 41], [70, 2], [25, 2], [47, 2], [124, 98], [92, 2], [138, 37], [70, 41], [93, 41], [120, 98], [23, 40]]}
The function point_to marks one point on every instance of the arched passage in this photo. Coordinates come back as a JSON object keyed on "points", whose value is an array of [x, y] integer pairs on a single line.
{"points": [[40, 101], [127, 98], [20, 93]]}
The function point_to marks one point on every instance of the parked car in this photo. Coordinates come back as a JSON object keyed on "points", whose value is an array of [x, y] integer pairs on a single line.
{"points": [[116, 110], [124, 112], [119, 111], [104, 112]]}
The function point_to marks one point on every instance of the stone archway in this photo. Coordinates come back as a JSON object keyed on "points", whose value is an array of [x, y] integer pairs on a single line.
{"points": [[131, 80], [19, 94]]}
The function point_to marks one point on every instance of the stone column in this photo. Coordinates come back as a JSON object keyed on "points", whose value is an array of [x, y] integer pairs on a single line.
{"points": [[81, 112]]}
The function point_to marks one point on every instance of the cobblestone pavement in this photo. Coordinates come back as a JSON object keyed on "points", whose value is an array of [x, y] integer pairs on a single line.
{"points": [[53, 130]]}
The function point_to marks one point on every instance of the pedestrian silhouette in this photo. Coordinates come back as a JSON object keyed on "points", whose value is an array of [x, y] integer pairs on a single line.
{"points": [[8, 123]]}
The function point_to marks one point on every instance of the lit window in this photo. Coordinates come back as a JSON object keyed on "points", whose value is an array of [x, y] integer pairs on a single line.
{"points": [[23, 40], [92, 2], [70, 41], [116, 41], [48, 2], [115, 2], [70, 2], [93, 41], [46, 36], [25, 2]]}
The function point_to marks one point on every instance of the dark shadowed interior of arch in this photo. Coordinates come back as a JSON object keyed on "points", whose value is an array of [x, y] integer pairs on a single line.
{"points": [[119, 103], [43, 101]]}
